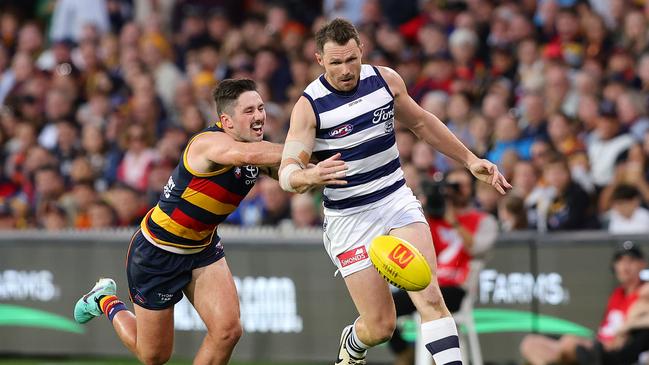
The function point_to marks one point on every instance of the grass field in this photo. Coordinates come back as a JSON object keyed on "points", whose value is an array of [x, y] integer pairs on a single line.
{"points": [[104, 361], [77, 361]]}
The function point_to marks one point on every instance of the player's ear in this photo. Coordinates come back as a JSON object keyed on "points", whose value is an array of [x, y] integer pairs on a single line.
{"points": [[226, 121], [318, 57]]}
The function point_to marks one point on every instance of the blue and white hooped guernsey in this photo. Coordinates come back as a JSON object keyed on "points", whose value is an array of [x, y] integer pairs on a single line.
{"points": [[360, 125]]}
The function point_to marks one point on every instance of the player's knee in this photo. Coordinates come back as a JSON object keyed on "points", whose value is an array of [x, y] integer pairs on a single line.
{"points": [[229, 334], [234, 333], [155, 358], [153, 355], [381, 330]]}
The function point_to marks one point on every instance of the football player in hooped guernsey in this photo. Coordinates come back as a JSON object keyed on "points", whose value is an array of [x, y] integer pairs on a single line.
{"points": [[177, 249], [346, 119]]}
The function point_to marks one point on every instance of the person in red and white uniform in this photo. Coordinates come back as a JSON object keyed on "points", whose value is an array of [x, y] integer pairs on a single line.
{"points": [[628, 262], [461, 233]]}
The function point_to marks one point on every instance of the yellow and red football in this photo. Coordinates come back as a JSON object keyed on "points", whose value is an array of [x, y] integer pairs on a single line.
{"points": [[400, 263]]}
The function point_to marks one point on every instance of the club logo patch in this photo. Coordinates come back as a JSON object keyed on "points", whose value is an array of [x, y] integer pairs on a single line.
{"points": [[251, 172]]}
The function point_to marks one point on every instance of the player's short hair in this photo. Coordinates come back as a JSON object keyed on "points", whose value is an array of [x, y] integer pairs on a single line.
{"points": [[338, 30], [228, 91]]}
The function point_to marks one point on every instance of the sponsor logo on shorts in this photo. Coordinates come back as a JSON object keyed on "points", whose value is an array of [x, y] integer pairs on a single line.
{"points": [[352, 256], [164, 297], [401, 255]]}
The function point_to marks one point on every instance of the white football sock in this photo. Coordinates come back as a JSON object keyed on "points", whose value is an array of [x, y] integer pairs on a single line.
{"points": [[442, 341], [355, 346]]}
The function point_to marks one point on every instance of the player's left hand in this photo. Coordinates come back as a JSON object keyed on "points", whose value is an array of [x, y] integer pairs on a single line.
{"points": [[487, 172]]}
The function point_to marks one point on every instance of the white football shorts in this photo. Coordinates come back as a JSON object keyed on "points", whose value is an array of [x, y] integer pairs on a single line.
{"points": [[347, 237]]}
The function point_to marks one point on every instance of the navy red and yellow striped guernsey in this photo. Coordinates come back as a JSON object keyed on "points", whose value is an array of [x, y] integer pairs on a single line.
{"points": [[193, 204]]}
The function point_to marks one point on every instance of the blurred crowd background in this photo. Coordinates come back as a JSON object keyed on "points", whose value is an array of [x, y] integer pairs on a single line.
{"points": [[99, 98]]}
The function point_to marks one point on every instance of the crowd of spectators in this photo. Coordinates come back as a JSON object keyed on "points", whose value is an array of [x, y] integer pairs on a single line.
{"points": [[100, 96]]}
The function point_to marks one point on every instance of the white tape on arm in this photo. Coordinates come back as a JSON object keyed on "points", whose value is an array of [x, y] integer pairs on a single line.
{"points": [[285, 177], [296, 151]]}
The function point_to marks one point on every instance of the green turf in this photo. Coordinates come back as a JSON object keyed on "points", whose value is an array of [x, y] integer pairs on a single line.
{"points": [[106, 361], [78, 361]]}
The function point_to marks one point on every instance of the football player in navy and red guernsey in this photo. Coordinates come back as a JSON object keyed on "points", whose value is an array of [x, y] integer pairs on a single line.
{"points": [[177, 249]]}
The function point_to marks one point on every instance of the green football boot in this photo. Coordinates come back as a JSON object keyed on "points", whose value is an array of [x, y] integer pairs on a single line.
{"points": [[87, 307]]}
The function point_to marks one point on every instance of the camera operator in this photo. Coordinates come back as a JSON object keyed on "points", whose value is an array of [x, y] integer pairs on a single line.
{"points": [[460, 232]]}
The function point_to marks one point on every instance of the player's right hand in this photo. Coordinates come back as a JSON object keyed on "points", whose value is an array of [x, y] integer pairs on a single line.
{"points": [[328, 172]]}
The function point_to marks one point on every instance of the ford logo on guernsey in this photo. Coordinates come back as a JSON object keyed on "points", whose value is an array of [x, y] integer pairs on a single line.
{"points": [[341, 131], [383, 114]]}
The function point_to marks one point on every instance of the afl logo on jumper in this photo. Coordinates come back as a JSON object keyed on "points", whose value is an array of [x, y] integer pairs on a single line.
{"points": [[341, 131]]}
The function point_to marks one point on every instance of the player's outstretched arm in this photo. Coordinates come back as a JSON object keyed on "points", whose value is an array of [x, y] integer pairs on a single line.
{"points": [[430, 129], [222, 149], [295, 172]]}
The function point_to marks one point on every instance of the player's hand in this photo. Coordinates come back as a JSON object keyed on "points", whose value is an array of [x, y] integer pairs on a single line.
{"points": [[487, 172], [328, 172]]}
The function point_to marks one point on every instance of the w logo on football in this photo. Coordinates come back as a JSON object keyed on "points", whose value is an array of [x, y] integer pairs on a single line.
{"points": [[401, 255]]}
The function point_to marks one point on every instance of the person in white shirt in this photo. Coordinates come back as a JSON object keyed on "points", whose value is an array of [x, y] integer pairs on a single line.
{"points": [[70, 16], [606, 144], [626, 215]]}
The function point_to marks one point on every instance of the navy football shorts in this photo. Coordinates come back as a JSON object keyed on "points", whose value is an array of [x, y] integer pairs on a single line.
{"points": [[156, 278]]}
